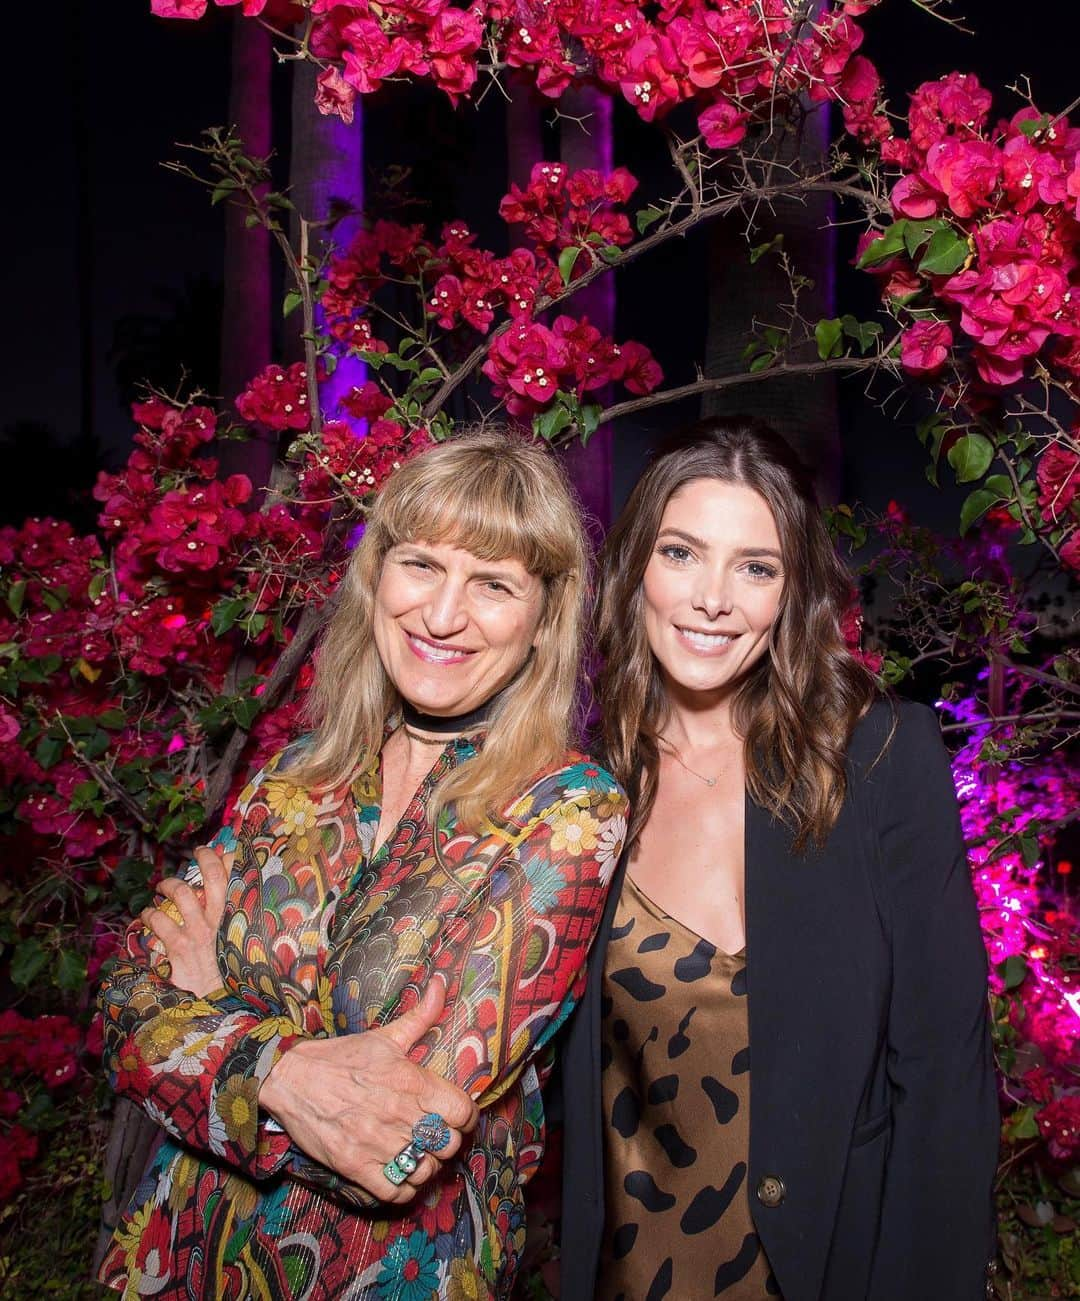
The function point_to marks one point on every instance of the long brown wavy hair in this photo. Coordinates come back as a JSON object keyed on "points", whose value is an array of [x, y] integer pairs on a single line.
{"points": [[797, 707], [499, 497]]}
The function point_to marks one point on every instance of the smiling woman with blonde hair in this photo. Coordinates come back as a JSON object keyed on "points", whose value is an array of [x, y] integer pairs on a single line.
{"points": [[353, 1009]]}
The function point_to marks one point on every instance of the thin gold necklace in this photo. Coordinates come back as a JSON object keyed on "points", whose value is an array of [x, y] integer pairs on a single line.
{"points": [[709, 781]]}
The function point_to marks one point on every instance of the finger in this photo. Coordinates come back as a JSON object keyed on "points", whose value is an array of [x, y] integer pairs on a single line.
{"points": [[427, 1169], [454, 1105], [184, 897], [167, 931], [409, 1028], [215, 877], [377, 1183]]}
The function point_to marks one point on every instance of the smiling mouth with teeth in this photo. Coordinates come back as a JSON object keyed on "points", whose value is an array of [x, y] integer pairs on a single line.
{"points": [[433, 653], [706, 640]]}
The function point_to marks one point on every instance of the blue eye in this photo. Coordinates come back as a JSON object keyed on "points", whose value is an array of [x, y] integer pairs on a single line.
{"points": [[758, 570], [675, 551]]}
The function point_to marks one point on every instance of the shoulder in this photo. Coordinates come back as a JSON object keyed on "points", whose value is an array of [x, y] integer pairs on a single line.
{"points": [[575, 782], [893, 732]]}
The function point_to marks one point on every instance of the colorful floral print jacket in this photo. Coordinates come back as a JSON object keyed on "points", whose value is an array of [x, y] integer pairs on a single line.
{"points": [[321, 937]]}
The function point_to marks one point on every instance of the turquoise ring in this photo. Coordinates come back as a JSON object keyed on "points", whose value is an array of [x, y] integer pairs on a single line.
{"points": [[394, 1173], [431, 1133]]}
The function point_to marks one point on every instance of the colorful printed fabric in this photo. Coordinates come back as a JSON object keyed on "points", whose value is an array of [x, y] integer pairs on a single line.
{"points": [[321, 937]]}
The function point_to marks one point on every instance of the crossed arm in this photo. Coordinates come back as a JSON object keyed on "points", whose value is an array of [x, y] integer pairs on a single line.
{"points": [[267, 1097]]}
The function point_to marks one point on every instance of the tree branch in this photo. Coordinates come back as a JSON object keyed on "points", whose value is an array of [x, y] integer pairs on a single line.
{"points": [[698, 214], [289, 662], [715, 383]]}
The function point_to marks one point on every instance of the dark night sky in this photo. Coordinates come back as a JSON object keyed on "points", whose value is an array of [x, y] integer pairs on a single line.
{"points": [[126, 86]]}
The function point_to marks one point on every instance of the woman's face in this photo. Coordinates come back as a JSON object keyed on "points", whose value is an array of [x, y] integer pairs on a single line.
{"points": [[452, 629], [712, 586]]}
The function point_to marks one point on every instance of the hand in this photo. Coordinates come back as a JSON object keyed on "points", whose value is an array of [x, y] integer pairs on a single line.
{"points": [[351, 1102], [191, 943]]}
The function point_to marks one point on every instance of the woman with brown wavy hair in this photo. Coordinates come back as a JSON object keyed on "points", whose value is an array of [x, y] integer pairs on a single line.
{"points": [[780, 1079]]}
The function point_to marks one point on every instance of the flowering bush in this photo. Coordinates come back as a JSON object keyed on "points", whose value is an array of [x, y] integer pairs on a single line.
{"points": [[145, 668]]}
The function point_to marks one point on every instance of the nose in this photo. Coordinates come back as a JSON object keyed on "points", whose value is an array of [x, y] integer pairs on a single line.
{"points": [[713, 594], [446, 612]]}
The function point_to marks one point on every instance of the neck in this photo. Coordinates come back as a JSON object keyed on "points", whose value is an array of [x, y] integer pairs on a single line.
{"points": [[445, 725], [698, 720]]}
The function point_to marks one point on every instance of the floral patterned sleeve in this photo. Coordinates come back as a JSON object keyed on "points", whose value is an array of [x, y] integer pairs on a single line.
{"points": [[195, 1064], [516, 967]]}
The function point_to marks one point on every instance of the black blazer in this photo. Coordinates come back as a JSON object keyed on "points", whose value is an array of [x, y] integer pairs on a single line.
{"points": [[873, 1117]]}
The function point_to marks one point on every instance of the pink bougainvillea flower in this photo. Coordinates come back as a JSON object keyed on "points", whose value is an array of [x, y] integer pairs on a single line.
{"points": [[1058, 476], [924, 347], [178, 8], [722, 125], [334, 96]]}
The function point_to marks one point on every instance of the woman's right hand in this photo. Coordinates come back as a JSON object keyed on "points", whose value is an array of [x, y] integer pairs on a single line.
{"points": [[350, 1102]]}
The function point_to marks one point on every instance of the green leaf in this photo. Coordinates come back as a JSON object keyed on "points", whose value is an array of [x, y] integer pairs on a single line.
{"points": [[173, 825], [1001, 484], [245, 710], [429, 375], [916, 233], [590, 420], [1013, 971], [975, 505], [226, 613], [550, 423], [610, 252], [252, 220], [567, 258], [113, 719], [829, 336], [223, 189], [970, 457], [131, 881], [645, 217], [293, 299], [759, 250], [946, 253], [70, 974], [1022, 1124], [863, 332], [96, 585], [49, 751], [1035, 126], [15, 597], [27, 963], [890, 243]]}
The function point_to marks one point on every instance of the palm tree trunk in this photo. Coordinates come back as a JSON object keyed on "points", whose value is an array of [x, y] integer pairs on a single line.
{"points": [[590, 145], [743, 296], [326, 176], [246, 330]]}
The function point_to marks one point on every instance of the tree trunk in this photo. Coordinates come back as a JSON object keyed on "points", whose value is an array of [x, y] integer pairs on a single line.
{"points": [[742, 297], [246, 330], [590, 145], [326, 177]]}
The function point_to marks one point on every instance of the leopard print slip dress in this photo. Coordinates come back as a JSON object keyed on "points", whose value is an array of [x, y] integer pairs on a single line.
{"points": [[676, 1093]]}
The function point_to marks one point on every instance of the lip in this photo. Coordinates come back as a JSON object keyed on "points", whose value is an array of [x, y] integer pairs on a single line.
{"points": [[685, 636], [432, 652]]}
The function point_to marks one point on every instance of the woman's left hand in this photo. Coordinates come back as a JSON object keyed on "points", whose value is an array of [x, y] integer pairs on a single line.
{"points": [[191, 943]]}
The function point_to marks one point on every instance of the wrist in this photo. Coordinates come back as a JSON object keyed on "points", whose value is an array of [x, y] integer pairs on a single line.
{"points": [[278, 1086]]}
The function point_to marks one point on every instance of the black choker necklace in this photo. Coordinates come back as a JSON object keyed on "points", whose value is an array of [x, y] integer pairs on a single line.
{"points": [[446, 724]]}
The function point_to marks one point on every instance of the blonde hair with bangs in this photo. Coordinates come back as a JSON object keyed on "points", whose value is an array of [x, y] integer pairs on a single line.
{"points": [[500, 498]]}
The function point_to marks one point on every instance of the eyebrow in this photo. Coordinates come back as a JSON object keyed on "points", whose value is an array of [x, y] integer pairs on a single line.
{"points": [[485, 575], [700, 542]]}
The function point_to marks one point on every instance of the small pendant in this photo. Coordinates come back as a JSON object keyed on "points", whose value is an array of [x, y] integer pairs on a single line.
{"points": [[710, 781]]}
